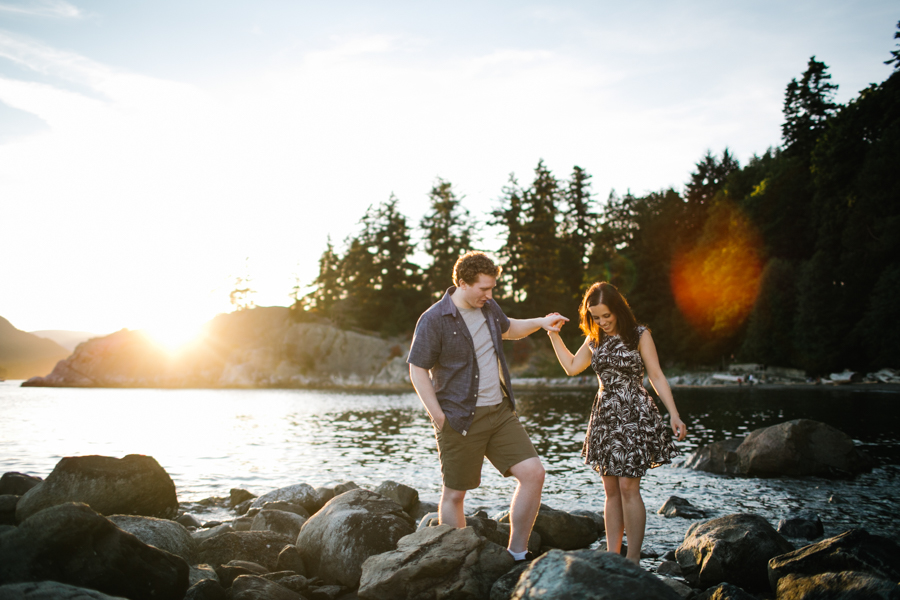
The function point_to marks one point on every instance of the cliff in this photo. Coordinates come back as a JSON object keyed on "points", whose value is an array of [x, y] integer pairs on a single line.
{"points": [[24, 355], [260, 347]]}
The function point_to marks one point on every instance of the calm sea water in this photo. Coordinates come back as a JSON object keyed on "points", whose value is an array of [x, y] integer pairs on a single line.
{"points": [[210, 441]]}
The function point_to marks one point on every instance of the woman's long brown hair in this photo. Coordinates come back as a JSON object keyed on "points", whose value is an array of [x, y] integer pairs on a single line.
{"points": [[606, 293]]}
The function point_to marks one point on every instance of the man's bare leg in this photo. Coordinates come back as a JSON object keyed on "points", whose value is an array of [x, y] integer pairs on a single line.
{"points": [[526, 502], [450, 510]]}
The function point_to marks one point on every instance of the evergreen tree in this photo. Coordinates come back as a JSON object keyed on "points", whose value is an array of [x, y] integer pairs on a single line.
{"points": [[327, 284], [807, 106], [706, 182], [579, 222], [449, 232], [895, 54], [509, 217], [769, 338]]}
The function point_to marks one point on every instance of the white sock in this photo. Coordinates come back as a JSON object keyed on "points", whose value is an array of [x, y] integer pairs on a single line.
{"points": [[518, 555]]}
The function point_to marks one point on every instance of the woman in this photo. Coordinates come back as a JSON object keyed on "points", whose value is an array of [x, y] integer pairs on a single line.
{"points": [[626, 434]]}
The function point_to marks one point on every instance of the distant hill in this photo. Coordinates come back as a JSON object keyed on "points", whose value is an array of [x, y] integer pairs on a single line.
{"points": [[67, 339], [24, 355]]}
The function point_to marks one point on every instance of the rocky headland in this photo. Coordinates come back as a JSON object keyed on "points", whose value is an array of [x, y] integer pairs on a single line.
{"points": [[264, 347], [103, 527]]}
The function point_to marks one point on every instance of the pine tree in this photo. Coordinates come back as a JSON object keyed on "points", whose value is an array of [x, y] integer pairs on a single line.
{"points": [[508, 216], [449, 231], [327, 283], [807, 106]]}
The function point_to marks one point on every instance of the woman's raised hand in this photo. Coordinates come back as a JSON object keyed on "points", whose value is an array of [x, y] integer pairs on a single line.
{"points": [[556, 321]]}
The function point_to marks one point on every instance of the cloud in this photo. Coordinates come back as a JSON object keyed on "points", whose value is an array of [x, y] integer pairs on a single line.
{"points": [[57, 9]]}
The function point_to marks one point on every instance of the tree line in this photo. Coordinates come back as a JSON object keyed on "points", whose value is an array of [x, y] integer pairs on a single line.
{"points": [[792, 259]]}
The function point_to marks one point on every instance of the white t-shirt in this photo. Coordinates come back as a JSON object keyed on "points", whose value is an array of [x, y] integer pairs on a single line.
{"points": [[489, 390]]}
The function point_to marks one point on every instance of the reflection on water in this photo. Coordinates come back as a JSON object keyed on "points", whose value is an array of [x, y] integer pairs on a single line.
{"points": [[212, 440]]}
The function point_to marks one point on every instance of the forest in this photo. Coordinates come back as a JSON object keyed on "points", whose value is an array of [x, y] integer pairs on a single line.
{"points": [[791, 260]]}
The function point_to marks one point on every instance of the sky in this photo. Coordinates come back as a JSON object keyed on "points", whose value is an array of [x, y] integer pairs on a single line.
{"points": [[152, 151]]}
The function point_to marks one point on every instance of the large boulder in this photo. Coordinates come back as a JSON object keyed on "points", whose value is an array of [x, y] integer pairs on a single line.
{"points": [[133, 485], [797, 448], [853, 550], [72, 544], [165, 535], [8, 504], [261, 547], [719, 457], [435, 562], [350, 528], [301, 494], [51, 590], [17, 484], [847, 585], [559, 529], [279, 521], [589, 574], [734, 549]]}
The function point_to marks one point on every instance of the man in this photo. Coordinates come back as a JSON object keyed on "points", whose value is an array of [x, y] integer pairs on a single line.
{"points": [[457, 366]]}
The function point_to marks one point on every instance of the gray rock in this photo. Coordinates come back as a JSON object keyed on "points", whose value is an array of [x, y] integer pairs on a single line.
{"points": [[279, 521], [16, 484], [133, 485], [402, 494], [806, 525], [243, 507], [290, 580], [206, 589], [300, 493], [596, 517], [679, 507], [734, 549], [205, 534], [853, 550], [559, 529], [683, 591], [5, 528], [801, 447], [253, 587], [344, 487], [719, 457], [848, 585], [201, 572], [242, 523], [71, 543], [237, 496], [257, 546], [670, 568], [349, 529], [534, 538], [560, 575], [235, 568], [504, 586], [189, 520], [8, 509], [291, 559], [286, 507], [165, 535], [437, 562], [51, 590], [324, 494], [797, 448], [327, 592], [725, 591]]}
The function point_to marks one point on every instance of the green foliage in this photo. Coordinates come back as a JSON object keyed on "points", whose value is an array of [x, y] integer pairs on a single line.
{"points": [[807, 107]]}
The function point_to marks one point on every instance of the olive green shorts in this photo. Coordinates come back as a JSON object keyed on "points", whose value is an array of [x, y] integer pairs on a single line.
{"points": [[495, 433]]}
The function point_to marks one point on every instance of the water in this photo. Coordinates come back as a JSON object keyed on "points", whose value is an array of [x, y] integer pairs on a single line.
{"points": [[210, 441]]}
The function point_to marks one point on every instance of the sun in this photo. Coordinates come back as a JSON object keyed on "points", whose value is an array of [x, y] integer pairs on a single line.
{"points": [[173, 335]]}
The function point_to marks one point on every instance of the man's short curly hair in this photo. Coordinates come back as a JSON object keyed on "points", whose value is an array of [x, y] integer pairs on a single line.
{"points": [[472, 264]]}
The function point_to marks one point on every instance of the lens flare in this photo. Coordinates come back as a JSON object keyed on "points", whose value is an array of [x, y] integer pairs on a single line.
{"points": [[716, 282]]}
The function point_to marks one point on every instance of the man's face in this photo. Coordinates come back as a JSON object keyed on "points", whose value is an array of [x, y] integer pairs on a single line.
{"points": [[478, 293]]}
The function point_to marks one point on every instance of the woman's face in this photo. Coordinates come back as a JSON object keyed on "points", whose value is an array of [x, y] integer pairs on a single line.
{"points": [[604, 318]]}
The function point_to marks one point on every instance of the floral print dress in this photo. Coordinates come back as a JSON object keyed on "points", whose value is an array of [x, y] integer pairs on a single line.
{"points": [[626, 434]]}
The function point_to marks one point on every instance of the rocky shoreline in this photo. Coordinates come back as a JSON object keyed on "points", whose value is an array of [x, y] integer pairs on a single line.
{"points": [[103, 527]]}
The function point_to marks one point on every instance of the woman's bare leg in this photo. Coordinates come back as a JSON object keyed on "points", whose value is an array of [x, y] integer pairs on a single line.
{"points": [[612, 513], [635, 516]]}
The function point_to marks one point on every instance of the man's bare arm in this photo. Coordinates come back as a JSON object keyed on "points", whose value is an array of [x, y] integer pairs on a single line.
{"points": [[421, 380], [520, 328]]}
